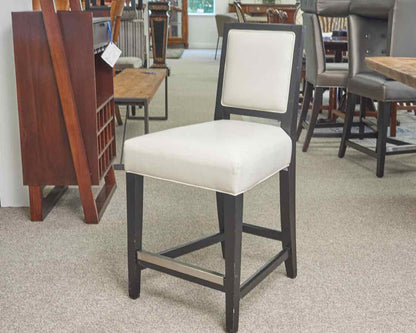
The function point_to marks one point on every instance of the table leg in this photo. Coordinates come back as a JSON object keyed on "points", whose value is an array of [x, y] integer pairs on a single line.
{"points": [[146, 117], [120, 166], [166, 97]]}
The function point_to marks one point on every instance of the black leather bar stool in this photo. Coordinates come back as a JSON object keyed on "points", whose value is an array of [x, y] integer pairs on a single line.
{"points": [[378, 28], [228, 157]]}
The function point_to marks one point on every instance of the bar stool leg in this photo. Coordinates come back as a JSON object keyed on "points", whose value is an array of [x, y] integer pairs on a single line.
{"points": [[288, 217], [146, 117], [305, 108], [349, 116], [233, 229], [220, 211], [124, 133], [382, 124], [317, 105], [363, 111], [134, 185]]}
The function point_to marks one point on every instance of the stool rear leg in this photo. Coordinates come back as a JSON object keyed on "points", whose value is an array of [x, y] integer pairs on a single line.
{"points": [[134, 185]]}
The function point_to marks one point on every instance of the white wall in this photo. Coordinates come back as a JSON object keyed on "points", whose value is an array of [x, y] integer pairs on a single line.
{"points": [[202, 29], [12, 191]]}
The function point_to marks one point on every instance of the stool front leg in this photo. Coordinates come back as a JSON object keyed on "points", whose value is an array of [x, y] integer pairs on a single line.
{"points": [[233, 229], [134, 184], [288, 216]]}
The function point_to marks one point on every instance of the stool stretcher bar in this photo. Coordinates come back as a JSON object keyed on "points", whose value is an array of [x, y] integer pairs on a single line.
{"points": [[185, 271], [193, 246], [262, 231], [263, 272]]}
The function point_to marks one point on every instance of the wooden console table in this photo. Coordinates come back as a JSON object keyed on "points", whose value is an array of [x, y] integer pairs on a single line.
{"points": [[138, 86]]}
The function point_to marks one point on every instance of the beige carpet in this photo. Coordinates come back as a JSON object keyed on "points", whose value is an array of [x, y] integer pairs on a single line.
{"points": [[356, 246]]}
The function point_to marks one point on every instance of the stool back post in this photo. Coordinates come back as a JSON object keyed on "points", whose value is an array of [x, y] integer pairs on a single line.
{"points": [[226, 104]]}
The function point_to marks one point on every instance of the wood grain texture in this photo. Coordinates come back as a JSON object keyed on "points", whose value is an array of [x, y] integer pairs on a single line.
{"points": [[66, 108], [44, 139], [69, 109], [138, 83], [399, 69]]}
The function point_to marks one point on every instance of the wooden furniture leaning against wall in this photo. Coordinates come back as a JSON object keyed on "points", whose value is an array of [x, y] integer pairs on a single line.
{"points": [[66, 106]]}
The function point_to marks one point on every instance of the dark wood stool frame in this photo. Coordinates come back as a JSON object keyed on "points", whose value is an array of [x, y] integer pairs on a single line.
{"points": [[380, 133], [229, 207]]}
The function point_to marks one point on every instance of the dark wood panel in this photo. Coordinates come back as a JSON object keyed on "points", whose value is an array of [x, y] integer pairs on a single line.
{"points": [[44, 141]]}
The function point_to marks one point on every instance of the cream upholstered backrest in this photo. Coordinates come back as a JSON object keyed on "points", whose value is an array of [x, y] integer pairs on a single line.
{"points": [[258, 69]]}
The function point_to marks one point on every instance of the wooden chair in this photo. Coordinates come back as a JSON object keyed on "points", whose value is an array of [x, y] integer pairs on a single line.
{"points": [[241, 17], [276, 16]]}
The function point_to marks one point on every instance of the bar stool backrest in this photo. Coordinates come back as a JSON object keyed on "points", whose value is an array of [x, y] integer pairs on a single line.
{"points": [[402, 29], [314, 47], [262, 80], [367, 38]]}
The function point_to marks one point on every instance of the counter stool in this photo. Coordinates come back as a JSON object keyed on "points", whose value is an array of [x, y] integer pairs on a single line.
{"points": [[378, 28], [319, 77], [229, 157]]}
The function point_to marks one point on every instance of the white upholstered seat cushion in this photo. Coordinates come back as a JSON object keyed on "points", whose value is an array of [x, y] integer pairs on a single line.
{"points": [[227, 156]]}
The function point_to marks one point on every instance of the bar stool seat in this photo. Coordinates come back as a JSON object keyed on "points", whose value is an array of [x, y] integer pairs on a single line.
{"points": [[380, 88], [332, 78], [227, 156]]}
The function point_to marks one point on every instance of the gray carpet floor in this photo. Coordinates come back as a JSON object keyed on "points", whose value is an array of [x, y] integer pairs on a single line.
{"points": [[355, 234]]}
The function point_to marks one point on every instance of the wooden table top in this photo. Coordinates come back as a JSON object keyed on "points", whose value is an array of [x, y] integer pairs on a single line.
{"points": [[137, 84], [399, 69]]}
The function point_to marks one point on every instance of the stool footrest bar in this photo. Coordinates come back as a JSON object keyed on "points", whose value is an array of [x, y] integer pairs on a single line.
{"points": [[184, 271], [263, 272], [262, 231], [192, 246]]}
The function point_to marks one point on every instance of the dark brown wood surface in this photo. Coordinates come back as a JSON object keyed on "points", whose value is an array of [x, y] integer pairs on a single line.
{"points": [[66, 108], [138, 83], [44, 142], [399, 69]]}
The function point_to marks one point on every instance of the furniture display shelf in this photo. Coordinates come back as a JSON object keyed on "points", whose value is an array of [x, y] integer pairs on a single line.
{"points": [[45, 127]]}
